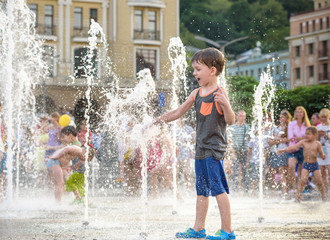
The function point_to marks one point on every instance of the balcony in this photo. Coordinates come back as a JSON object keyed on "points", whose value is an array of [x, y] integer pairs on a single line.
{"points": [[146, 35], [146, 3], [324, 54], [83, 32], [46, 31], [324, 77]]}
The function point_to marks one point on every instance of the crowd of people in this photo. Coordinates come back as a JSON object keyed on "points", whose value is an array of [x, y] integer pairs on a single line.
{"points": [[287, 152], [58, 155]]}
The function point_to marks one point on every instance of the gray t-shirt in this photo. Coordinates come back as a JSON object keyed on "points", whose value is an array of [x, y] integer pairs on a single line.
{"points": [[211, 137]]}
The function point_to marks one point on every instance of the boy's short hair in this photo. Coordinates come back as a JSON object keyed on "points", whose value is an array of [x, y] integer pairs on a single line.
{"points": [[69, 130], [211, 57], [312, 129]]}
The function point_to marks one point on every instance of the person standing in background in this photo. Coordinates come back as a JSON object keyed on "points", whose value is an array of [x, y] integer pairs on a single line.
{"points": [[240, 133]]}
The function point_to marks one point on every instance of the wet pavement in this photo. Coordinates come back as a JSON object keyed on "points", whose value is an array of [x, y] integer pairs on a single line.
{"points": [[112, 217]]}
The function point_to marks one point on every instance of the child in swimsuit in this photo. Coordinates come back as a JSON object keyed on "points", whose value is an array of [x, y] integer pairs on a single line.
{"points": [[311, 147]]}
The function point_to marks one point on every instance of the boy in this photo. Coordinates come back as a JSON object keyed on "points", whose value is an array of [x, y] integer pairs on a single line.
{"points": [[311, 148], [213, 113], [69, 136], [75, 183]]}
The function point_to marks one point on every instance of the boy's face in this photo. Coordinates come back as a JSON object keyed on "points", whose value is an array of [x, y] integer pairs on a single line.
{"points": [[66, 138], [202, 73], [310, 136]]}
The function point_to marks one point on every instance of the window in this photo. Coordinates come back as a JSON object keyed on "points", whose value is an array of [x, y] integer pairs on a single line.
{"points": [[311, 71], [284, 68], [152, 25], [241, 74], [251, 73], [49, 14], [325, 71], [277, 70], [93, 14], [328, 22], [307, 27], [246, 72], [146, 58], [271, 71], [34, 9], [297, 51], [138, 21], [313, 25], [310, 47], [265, 69], [301, 28], [77, 18], [297, 73], [79, 63], [324, 51], [259, 71], [48, 58], [320, 5], [321, 23]]}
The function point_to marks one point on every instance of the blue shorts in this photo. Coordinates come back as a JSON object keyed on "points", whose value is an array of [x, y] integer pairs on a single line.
{"points": [[210, 177], [311, 166], [52, 162], [299, 155]]}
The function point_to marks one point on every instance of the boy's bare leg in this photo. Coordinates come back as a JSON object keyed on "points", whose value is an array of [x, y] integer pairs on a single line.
{"points": [[77, 194], [283, 170], [324, 176], [319, 183], [291, 173], [225, 212], [56, 175], [302, 182], [202, 205]]}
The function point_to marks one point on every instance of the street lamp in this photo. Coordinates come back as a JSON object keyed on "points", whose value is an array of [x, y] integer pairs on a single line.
{"points": [[217, 45]]}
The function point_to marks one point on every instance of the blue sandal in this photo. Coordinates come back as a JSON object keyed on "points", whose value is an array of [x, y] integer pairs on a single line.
{"points": [[222, 235], [191, 233]]}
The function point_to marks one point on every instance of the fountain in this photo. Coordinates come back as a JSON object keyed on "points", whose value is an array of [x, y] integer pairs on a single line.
{"points": [[21, 69], [34, 215], [264, 93]]}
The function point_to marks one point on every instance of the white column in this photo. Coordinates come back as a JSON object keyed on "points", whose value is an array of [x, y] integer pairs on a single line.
{"points": [[60, 28], [114, 20], [132, 23], [67, 30], [161, 24], [105, 6]]}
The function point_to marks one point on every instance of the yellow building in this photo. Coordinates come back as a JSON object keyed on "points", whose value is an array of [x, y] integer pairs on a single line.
{"points": [[138, 34]]}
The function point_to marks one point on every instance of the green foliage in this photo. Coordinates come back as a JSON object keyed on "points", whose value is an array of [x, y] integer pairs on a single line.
{"points": [[261, 20], [241, 90], [312, 98], [188, 39]]}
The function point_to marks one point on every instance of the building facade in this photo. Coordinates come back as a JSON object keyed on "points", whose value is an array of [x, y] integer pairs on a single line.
{"points": [[253, 63], [137, 31], [309, 43]]}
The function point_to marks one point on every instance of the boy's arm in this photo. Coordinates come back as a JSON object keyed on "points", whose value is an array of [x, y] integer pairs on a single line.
{"points": [[67, 150], [181, 110], [320, 151], [222, 100], [292, 147]]}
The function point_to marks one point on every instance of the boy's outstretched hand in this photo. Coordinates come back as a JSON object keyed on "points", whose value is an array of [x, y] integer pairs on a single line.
{"points": [[221, 97]]}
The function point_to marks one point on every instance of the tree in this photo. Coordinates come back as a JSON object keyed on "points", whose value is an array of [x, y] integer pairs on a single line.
{"points": [[241, 90]]}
